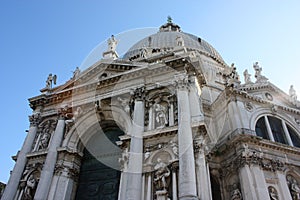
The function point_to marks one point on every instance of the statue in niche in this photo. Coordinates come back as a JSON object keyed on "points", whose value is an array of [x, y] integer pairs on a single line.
{"points": [[45, 136], [292, 93], [112, 43], [162, 172], [247, 77], [235, 193], [174, 147], [30, 187], [44, 140], [147, 153], [294, 189], [160, 115], [273, 193]]}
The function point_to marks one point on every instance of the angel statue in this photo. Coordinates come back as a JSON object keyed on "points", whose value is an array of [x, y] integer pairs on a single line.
{"points": [[51, 79]]}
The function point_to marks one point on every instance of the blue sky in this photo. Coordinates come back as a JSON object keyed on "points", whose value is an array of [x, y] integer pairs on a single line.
{"points": [[42, 37]]}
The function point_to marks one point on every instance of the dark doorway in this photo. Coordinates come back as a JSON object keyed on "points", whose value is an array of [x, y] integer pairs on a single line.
{"points": [[215, 188], [99, 173]]}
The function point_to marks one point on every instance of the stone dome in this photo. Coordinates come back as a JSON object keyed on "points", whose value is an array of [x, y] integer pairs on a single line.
{"points": [[166, 40]]}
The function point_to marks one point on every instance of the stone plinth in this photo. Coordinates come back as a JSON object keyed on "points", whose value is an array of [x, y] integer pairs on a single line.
{"points": [[161, 195]]}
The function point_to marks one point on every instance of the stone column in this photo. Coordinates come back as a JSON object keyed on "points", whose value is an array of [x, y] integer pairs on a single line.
{"points": [[246, 181], [65, 174], [174, 181], [151, 118], [149, 187], [16, 175], [143, 186], [260, 182], [252, 178], [283, 187], [49, 165], [135, 163], [171, 113], [203, 188], [187, 176]]}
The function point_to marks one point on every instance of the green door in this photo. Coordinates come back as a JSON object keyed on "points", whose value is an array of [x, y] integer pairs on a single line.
{"points": [[99, 174]]}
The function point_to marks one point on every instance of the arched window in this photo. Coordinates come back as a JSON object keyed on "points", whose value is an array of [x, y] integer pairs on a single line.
{"points": [[276, 130], [261, 129]]}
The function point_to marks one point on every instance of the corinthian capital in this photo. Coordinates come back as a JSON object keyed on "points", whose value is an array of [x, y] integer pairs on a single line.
{"points": [[35, 119], [139, 93], [182, 81]]}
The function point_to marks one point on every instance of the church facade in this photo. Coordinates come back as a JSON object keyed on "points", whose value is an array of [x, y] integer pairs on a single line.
{"points": [[168, 120]]}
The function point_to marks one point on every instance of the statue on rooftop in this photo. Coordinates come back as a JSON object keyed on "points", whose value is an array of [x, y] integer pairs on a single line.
{"points": [[51, 79], [292, 93], [179, 41], [257, 69], [259, 78], [247, 77], [76, 72], [112, 43]]}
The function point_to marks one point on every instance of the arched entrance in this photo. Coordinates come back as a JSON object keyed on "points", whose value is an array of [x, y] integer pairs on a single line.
{"points": [[100, 171]]}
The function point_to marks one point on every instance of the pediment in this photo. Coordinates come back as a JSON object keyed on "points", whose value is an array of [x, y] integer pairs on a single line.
{"points": [[270, 93]]}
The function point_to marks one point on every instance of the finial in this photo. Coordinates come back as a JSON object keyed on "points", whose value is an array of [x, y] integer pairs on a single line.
{"points": [[169, 20]]}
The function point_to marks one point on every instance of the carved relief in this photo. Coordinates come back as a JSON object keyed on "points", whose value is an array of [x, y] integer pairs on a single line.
{"points": [[235, 193], [294, 187], [269, 96], [249, 157], [182, 81], [174, 147], [160, 109], [62, 169], [273, 193], [272, 165], [249, 106], [139, 93], [35, 119], [30, 187], [124, 159], [44, 134], [29, 181]]}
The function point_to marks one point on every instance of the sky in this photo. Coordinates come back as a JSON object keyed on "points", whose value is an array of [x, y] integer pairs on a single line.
{"points": [[42, 37]]}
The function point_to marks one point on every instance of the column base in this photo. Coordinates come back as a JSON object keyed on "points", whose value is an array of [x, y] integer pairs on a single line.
{"points": [[189, 198]]}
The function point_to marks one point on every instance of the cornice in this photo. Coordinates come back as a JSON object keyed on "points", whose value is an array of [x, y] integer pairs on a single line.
{"points": [[242, 137]]}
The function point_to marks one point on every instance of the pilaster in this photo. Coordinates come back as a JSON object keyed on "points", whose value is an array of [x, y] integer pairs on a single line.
{"points": [[187, 176], [135, 163], [202, 173], [15, 177], [49, 165]]}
